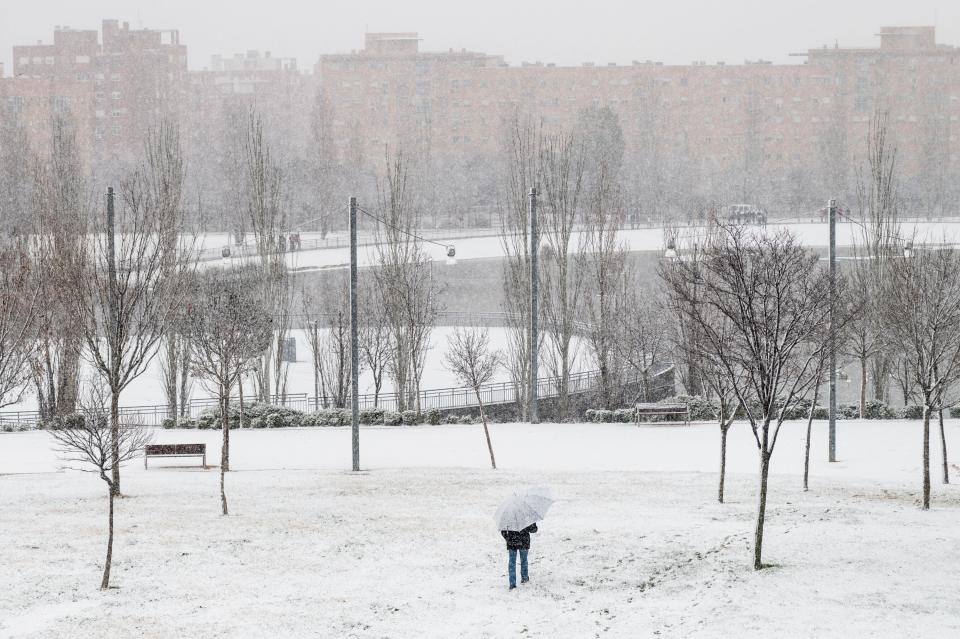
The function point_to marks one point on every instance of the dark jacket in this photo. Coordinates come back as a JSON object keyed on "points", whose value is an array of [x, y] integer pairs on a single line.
{"points": [[517, 540]]}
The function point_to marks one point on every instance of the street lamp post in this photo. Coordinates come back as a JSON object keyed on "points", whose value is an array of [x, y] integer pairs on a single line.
{"points": [[534, 311], [832, 208], [354, 349]]}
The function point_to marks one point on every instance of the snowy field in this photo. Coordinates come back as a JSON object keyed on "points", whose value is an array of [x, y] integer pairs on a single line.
{"points": [[647, 239], [636, 545]]}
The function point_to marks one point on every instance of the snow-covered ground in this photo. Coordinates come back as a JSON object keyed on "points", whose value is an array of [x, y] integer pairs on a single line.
{"points": [[647, 239], [635, 546]]}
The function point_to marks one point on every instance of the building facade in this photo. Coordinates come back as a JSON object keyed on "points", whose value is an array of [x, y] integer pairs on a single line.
{"points": [[752, 132]]}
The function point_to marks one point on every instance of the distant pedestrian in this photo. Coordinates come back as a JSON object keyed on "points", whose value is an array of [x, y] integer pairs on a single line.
{"points": [[518, 542]]}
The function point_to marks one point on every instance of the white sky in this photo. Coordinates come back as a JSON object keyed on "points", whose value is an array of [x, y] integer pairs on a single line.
{"points": [[567, 32]]}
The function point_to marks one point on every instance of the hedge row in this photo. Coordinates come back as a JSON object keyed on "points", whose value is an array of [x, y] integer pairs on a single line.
{"points": [[267, 416], [708, 410]]}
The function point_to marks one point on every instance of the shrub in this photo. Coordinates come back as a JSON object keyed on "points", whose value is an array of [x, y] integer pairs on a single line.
{"points": [[955, 412], [469, 419], [410, 417], [276, 420], [371, 416], [821, 412], [603, 415], [848, 411], [450, 418], [875, 409], [392, 418], [590, 415], [258, 422], [910, 412], [623, 415], [701, 410], [168, 422], [432, 416]]}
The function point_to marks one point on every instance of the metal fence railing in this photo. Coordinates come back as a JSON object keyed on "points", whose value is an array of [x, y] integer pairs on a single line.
{"points": [[435, 398]]}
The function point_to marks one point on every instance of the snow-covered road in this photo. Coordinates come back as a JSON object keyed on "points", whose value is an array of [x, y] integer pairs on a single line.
{"points": [[647, 239]]}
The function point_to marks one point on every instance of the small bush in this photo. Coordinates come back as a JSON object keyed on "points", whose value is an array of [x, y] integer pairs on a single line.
{"points": [[875, 409], [392, 418], [821, 412], [701, 410], [258, 422], [410, 417], [371, 416], [469, 419], [623, 415], [910, 412], [276, 420], [450, 418], [168, 422], [848, 411], [432, 416], [603, 416], [955, 412], [590, 415]]}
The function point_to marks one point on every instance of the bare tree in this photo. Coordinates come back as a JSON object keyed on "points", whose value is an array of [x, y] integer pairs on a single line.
{"points": [[645, 333], [768, 288], [405, 279], [335, 356], [263, 188], [562, 161], [522, 152], [228, 327], [922, 316], [174, 356], [606, 270], [19, 305], [94, 444], [61, 203], [375, 344], [313, 328], [878, 200], [124, 287], [474, 363], [721, 379]]}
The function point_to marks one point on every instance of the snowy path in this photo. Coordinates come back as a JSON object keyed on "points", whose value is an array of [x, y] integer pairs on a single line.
{"points": [[647, 239], [636, 545]]}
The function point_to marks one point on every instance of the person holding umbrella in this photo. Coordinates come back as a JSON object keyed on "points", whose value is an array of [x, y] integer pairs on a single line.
{"points": [[518, 541], [517, 517]]}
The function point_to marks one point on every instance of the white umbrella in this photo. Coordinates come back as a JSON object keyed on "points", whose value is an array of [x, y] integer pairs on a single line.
{"points": [[522, 509]]}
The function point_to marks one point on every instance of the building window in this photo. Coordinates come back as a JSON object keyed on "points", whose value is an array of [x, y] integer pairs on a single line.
{"points": [[24, 61], [115, 95], [15, 103]]}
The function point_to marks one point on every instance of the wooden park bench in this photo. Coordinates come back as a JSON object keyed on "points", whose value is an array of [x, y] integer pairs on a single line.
{"points": [[645, 410], [175, 450]]}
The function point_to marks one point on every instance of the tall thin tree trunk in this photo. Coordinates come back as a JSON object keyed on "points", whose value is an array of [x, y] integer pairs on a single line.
{"points": [[761, 509], [486, 430], [723, 456], [943, 447], [863, 386], [106, 564], [240, 389], [225, 449], [926, 455], [806, 452], [115, 442]]}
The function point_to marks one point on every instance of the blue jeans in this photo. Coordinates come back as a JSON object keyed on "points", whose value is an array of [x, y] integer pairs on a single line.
{"points": [[512, 565]]}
